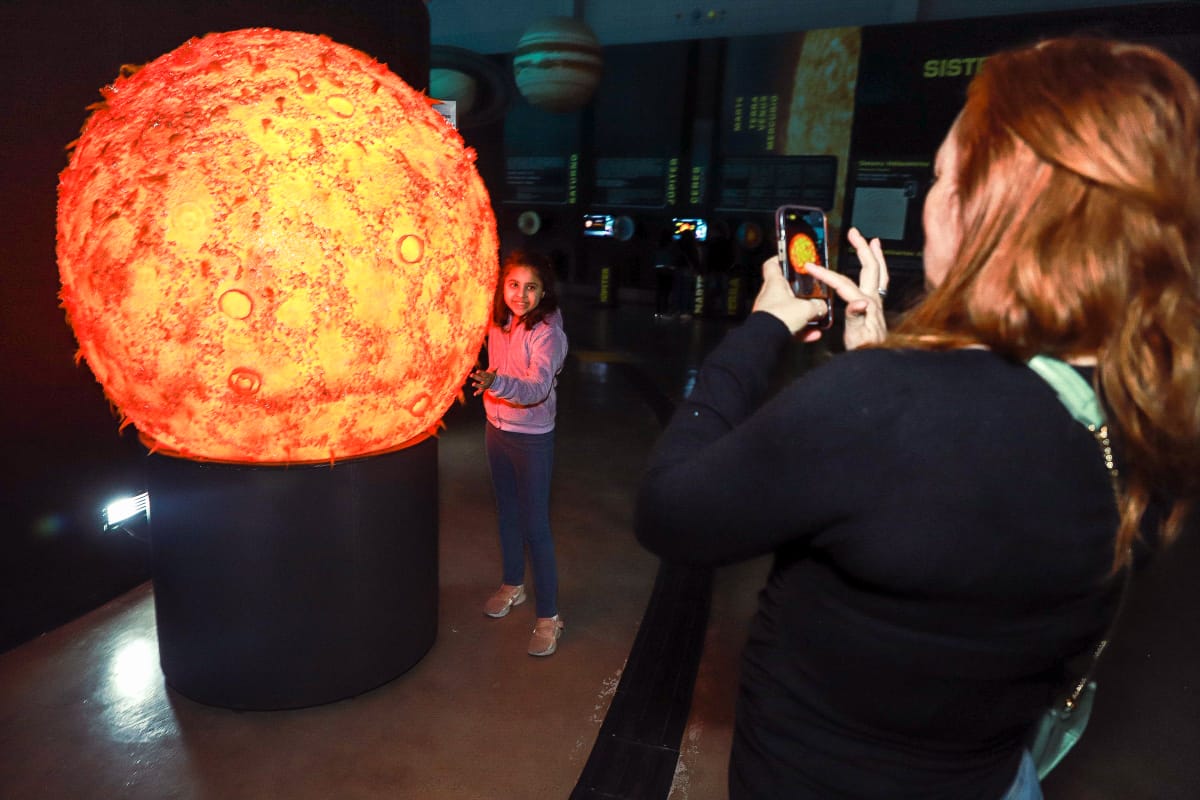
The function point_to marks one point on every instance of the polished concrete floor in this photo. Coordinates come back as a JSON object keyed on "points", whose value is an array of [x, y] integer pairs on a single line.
{"points": [[85, 713]]}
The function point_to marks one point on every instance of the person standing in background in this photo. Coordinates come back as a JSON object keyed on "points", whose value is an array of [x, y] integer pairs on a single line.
{"points": [[664, 277], [526, 348], [688, 274]]}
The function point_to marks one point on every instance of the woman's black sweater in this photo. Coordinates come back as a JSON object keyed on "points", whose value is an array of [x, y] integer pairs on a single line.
{"points": [[942, 532]]}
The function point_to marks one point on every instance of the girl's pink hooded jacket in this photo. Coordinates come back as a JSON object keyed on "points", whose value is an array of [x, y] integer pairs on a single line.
{"points": [[522, 399]]}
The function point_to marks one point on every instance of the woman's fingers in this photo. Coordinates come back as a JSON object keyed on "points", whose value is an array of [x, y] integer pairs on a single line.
{"points": [[868, 276], [771, 270], [775, 288], [846, 289], [884, 278], [865, 322], [873, 276]]}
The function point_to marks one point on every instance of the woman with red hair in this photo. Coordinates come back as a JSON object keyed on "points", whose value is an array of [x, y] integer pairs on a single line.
{"points": [[946, 536]]}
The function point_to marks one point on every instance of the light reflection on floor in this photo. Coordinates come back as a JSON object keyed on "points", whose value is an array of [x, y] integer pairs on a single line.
{"points": [[133, 693]]}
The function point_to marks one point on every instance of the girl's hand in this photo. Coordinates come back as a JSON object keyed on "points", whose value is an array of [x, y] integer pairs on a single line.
{"points": [[777, 299], [483, 380], [865, 322]]}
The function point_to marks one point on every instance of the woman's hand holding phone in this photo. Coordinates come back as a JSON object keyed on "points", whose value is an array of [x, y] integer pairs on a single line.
{"points": [[865, 322], [777, 299]]}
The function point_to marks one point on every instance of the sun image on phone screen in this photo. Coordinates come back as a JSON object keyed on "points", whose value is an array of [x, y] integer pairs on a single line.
{"points": [[802, 240]]}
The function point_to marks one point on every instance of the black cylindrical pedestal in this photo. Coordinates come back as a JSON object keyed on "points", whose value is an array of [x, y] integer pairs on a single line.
{"points": [[281, 587]]}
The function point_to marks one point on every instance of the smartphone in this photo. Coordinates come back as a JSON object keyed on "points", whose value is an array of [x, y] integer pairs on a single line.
{"points": [[803, 239]]}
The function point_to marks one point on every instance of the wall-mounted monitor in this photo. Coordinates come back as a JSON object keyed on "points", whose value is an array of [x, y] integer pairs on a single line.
{"points": [[599, 225], [698, 227]]}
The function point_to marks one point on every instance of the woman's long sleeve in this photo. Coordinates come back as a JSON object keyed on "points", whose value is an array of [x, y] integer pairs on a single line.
{"points": [[732, 477]]}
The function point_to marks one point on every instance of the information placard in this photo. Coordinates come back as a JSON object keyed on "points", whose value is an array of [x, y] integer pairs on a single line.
{"points": [[764, 184]]}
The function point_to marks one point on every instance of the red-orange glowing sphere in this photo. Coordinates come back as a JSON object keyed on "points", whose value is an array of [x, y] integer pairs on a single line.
{"points": [[802, 250], [273, 250]]}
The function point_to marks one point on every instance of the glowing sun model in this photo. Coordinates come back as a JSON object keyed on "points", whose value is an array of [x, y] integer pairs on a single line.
{"points": [[273, 250]]}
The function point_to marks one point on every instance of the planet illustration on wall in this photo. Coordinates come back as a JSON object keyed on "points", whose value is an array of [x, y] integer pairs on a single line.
{"points": [[529, 222], [557, 64], [451, 84], [749, 236], [623, 228], [480, 86], [272, 250]]}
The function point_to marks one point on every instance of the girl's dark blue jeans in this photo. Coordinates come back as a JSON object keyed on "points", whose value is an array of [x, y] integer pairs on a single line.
{"points": [[521, 464]]}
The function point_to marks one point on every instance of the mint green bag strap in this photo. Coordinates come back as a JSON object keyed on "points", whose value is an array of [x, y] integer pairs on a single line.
{"points": [[1063, 723], [1074, 392], [1080, 399]]}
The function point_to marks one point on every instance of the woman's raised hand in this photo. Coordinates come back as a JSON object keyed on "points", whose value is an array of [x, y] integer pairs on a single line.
{"points": [[865, 322]]}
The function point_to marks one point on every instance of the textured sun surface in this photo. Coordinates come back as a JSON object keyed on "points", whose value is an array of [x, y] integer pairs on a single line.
{"points": [[802, 250], [273, 250]]}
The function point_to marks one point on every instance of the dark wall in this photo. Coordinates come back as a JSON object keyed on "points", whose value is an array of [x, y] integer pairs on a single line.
{"points": [[685, 103], [62, 453]]}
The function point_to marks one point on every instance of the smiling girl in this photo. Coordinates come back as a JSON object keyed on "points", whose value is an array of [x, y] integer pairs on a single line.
{"points": [[526, 349]]}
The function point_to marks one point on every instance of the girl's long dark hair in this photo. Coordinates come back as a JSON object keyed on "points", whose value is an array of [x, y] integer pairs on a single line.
{"points": [[541, 266]]}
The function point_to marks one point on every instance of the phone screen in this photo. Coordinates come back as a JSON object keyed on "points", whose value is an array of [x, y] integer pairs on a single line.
{"points": [[802, 233]]}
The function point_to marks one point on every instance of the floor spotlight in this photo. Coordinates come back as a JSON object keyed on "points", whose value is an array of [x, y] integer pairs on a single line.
{"points": [[124, 509]]}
